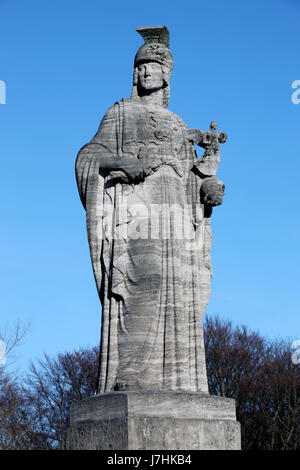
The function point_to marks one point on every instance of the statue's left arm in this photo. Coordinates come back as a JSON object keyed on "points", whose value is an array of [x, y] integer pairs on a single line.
{"points": [[212, 188]]}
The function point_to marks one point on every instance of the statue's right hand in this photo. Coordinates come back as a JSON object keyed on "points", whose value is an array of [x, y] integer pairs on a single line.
{"points": [[133, 169]]}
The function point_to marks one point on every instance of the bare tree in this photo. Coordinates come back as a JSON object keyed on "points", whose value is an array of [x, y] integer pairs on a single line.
{"points": [[241, 364], [11, 411], [260, 375], [11, 338], [52, 386]]}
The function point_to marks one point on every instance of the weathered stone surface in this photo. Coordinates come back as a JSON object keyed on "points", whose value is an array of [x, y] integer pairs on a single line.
{"points": [[148, 202], [154, 421], [149, 233]]}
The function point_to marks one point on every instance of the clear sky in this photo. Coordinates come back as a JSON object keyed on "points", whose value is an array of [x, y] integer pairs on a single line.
{"points": [[64, 63]]}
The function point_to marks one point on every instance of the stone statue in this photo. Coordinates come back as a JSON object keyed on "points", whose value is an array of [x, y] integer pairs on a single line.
{"points": [[148, 202]]}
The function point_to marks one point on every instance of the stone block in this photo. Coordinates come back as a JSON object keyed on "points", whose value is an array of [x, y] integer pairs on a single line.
{"points": [[154, 420]]}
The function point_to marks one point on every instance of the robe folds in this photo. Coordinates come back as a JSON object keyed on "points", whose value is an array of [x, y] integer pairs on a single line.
{"points": [[150, 248]]}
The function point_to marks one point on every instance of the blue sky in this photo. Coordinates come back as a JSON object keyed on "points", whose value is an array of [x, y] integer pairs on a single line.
{"points": [[64, 63]]}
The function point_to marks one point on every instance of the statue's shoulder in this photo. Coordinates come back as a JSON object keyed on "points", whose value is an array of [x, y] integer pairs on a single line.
{"points": [[131, 107], [176, 118], [110, 113], [114, 109]]}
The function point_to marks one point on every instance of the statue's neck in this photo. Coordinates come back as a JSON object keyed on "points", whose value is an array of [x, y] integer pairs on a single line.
{"points": [[154, 98]]}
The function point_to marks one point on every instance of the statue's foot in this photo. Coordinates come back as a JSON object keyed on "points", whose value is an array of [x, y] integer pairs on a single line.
{"points": [[120, 387]]}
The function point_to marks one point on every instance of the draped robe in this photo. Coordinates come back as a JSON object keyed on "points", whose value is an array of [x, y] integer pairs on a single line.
{"points": [[150, 249]]}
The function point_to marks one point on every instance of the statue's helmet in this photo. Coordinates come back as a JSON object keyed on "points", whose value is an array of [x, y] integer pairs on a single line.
{"points": [[156, 48]]}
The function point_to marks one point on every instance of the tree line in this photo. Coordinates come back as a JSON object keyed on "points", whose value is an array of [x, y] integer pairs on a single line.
{"points": [[241, 364]]}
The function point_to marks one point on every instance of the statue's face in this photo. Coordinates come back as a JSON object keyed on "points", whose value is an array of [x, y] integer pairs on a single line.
{"points": [[150, 76]]}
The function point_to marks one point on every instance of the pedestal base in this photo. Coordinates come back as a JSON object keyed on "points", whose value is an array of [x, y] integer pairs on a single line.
{"points": [[154, 420]]}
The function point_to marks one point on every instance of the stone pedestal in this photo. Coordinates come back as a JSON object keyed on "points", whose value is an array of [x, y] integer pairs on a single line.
{"points": [[154, 420]]}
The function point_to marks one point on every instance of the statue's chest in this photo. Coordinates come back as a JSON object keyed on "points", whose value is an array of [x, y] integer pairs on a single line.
{"points": [[153, 127]]}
